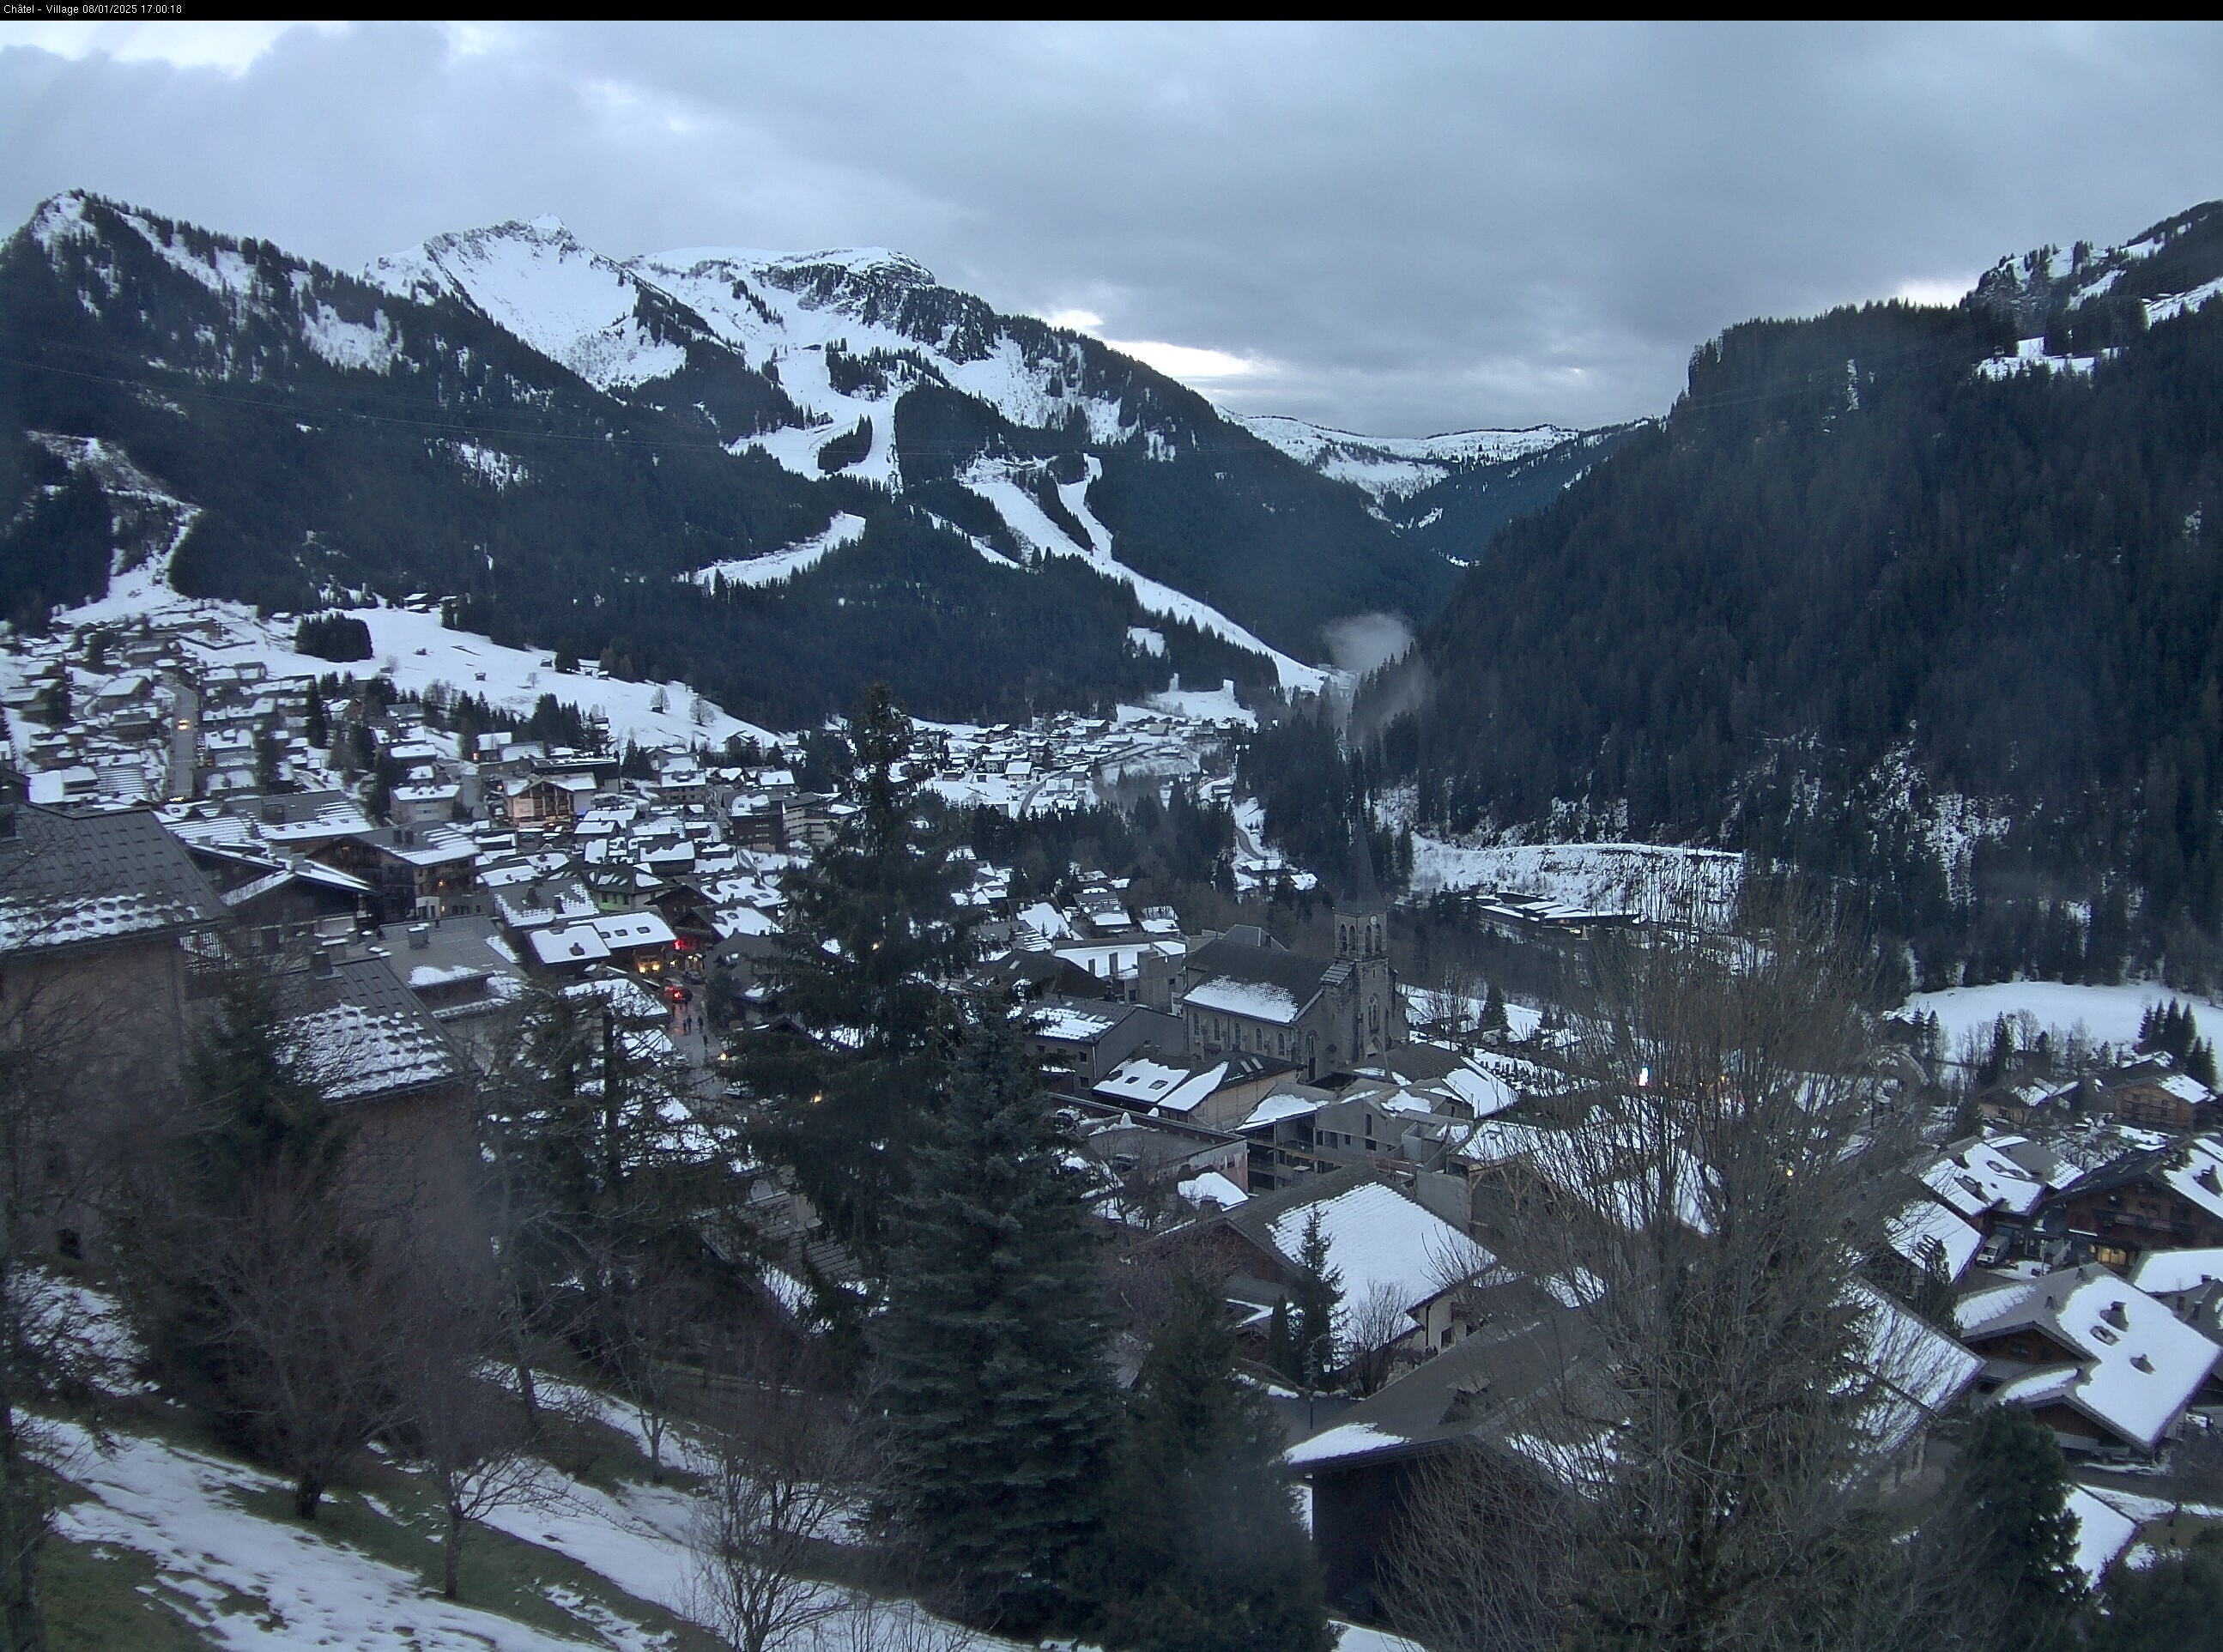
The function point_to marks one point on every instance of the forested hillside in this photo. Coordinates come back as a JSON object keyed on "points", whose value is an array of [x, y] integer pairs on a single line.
{"points": [[1927, 598]]}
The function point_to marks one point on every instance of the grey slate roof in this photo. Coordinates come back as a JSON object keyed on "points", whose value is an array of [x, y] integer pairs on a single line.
{"points": [[1523, 1374], [76, 881], [1229, 958], [364, 1035]]}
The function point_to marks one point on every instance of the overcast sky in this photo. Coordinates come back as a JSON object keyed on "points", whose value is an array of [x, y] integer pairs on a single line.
{"points": [[1398, 230]]}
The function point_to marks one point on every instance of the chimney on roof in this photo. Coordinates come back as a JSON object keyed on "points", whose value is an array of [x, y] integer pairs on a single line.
{"points": [[2117, 1317], [420, 938], [320, 959]]}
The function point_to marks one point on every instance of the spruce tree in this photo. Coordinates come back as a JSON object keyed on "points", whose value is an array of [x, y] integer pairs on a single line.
{"points": [[1201, 1547], [1281, 1342], [2012, 1499], [318, 732], [2174, 1605], [871, 931], [2200, 1062], [1320, 1292], [997, 1396]]}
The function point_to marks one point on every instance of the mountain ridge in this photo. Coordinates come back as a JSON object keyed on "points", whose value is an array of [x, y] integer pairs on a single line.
{"points": [[740, 403]]}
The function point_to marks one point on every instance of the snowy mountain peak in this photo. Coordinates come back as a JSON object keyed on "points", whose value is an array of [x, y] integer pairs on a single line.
{"points": [[1389, 467], [540, 282]]}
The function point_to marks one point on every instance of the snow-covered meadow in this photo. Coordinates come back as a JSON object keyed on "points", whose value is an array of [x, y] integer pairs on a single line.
{"points": [[417, 651], [2105, 1014]]}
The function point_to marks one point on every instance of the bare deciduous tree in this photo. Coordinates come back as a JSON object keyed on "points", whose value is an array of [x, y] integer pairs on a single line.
{"points": [[1483, 1560], [311, 1317], [1722, 1163], [470, 1436], [1372, 1327], [52, 1064], [790, 1469]]}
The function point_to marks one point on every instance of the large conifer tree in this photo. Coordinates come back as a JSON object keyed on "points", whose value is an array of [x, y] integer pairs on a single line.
{"points": [[998, 1395], [871, 929], [1201, 1548], [2012, 1498]]}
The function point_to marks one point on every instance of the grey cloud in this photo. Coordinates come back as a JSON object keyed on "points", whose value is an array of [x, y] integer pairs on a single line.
{"points": [[1417, 228]]}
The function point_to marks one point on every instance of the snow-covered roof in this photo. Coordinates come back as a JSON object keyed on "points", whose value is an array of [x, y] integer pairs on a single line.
{"points": [[729, 921], [2199, 1178], [625, 931], [1073, 1023], [1275, 1109], [560, 943], [1925, 1228], [1212, 1188], [2103, 1532], [364, 1035], [1257, 1001], [68, 881], [2163, 1273], [2135, 1365], [1046, 920], [1922, 1370], [1975, 1176], [1381, 1240], [1485, 1092], [1140, 1080]]}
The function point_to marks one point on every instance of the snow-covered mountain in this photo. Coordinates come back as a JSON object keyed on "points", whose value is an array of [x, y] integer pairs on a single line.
{"points": [[779, 474], [1394, 467], [844, 333]]}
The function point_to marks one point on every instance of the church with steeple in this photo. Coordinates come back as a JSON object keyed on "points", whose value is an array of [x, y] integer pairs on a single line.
{"points": [[1247, 992]]}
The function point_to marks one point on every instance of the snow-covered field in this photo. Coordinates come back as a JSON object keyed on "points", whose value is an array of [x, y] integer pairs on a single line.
{"points": [[184, 1510], [1649, 879], [2107, 1014], [251, 1581], [419, 651]]}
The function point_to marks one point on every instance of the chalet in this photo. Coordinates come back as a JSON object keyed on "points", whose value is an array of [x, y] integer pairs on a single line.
{"points": [[426, 802], [2151, 1199], [1144, 1162], [380, 1056], [1087, 1037], [1978, 1180], [1523, 1397], [542, 802], [2102, 1364], [2189, 1284], [1218, 1094], [2155, 1095], [460, 969], [1519, 1373], [1387, 1248], [639, 942], [1026, 977], [110, 904], [1930, 1241], [281, 904]]}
